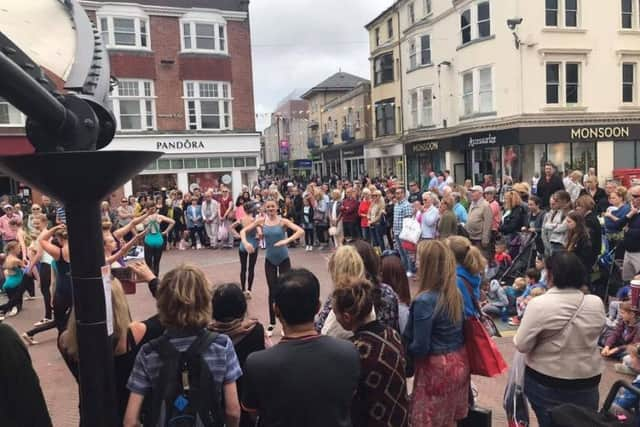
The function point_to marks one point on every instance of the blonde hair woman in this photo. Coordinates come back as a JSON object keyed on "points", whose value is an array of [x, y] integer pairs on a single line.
{"points": [[345, 264], [377, 223], [470, 264], [184, 309], [513, 220], [435, 340], [336, 230]]}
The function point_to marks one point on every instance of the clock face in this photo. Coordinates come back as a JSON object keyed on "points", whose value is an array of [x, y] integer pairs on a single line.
{"points": [[43, 30]]}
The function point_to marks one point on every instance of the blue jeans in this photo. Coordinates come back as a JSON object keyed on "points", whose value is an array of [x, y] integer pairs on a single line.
{"points": [[543, 399], [404, 257], [377, 235], [366, 234]]}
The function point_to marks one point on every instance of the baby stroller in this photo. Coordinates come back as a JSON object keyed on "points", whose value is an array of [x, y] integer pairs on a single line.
{"points": [[569, 415], [521, 263], [609, 279]]}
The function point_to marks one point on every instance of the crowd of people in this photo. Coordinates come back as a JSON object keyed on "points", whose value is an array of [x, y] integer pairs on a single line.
{"points": [[346, 360]]}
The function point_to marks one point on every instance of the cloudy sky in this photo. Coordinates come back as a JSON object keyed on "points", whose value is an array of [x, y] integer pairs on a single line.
{"points": [[299, 43]]}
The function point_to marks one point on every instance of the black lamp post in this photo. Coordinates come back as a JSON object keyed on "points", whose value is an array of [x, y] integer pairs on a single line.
{"points": [[66, 129]]}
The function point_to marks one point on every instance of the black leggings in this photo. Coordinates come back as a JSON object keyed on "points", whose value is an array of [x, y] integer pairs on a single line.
{"points": [[15, 299], [61, 310], [251, 268], [152, 258], [272, 272], [29, 285], [45, 288], [308, 236]]}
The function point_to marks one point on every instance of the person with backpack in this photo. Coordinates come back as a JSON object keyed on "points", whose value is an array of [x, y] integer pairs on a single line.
{"points": [[307, 379], [189, 371]]}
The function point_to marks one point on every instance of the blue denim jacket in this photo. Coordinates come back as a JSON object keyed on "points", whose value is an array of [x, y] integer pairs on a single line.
{"points": [[429, 332]]}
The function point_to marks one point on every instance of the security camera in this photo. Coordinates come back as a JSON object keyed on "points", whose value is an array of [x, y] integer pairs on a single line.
{"points": [[513, 23]]}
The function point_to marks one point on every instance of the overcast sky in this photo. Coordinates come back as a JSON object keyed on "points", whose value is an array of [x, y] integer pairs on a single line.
{"points": [[299, 43]]}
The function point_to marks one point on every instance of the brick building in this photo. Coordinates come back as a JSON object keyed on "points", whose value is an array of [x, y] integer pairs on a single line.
{"points": [[185, 87]]}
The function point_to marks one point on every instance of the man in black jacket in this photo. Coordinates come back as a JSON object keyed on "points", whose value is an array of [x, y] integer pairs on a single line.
{"points": [[631, 263], [549, 184]]}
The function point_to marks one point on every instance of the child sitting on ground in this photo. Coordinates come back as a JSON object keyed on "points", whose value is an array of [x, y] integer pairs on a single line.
{"points": [[514, 292], [625, 402], [540, 266], [533, 282], [496, 300], [625, 333]]}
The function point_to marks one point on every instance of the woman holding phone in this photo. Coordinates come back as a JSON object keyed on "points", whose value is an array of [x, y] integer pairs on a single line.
{"points": [[276, 261]]}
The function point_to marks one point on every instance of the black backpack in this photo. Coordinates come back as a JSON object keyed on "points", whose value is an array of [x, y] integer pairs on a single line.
{"points": [[185, 394]]}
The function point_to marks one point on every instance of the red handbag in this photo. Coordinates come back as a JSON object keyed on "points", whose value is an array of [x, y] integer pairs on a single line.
{"points": [[484, 356]]}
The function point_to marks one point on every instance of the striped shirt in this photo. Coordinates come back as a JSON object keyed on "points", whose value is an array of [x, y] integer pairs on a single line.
{"points": [[401, 211], [221, 359]]}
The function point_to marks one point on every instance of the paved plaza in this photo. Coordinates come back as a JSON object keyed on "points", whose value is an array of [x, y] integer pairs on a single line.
{"points": [[220, 266]]}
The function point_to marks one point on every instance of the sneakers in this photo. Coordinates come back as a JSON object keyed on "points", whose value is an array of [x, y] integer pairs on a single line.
{"points": [[621, 368], [29, 339], [308, 248], [270, 330], [13, 312], [409, 274], [514, 321], [29, 298], [44, 321], [247, 294]]}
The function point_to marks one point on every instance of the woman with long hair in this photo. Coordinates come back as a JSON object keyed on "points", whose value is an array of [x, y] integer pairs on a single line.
{"points": [[335, 218], [435, 340], [448, 222], [513, 219], [585, 206], [578, 240], [276, 262], [613, 226], [247, 270], [394, 274], [377, 222], [154, 238], [470, 264], [13, 276]]}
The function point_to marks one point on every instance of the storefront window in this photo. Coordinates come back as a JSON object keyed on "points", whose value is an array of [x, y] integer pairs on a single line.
{"points": [[189, 163], [203, 163], [583, 156], [533, 158], [151, 183], [205, 180], [250, 161], [215, 163], [227, 162], [560, 155], [164, 164], [418, 167], [177, 164], [486, 161], [238, 162], [152, 166], [511, 161]]}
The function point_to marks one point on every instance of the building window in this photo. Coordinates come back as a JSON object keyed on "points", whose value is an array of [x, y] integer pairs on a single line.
{"points": [[628, 82], [467, 93], [411, 12], [204, 37], [414, 109], [124, 32], [486, 91], [385, 117], [427, 107], [627, 14], [425, 44], [572, 72], [571, 13], [465, 26], [553, 83], [10, 115], [134, 105], [551, 13], [484, 20], [412, 54], [390, 28], [377, 35], [384, 68], [427, 7], [208, 105]]}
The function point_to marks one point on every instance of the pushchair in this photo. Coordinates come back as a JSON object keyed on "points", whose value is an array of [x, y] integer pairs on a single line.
{"points": [[608, 278], [521, 263], [569, 415]]}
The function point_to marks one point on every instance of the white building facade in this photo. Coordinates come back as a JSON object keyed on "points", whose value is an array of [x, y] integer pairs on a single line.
{"points": [[499, 88]]}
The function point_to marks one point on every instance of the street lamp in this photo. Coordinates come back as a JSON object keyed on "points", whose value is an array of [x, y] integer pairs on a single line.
{"points": [[66, 128]]}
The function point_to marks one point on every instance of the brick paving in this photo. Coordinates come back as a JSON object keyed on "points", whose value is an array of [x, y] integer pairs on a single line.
{"points": [[220, 266]]}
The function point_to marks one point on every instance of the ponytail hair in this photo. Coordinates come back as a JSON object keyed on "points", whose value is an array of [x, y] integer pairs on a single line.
{"points": [[467, 255]]}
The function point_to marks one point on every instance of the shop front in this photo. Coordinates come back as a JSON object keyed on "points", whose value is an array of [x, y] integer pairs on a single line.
{"points": [[301, 167], [384, 160], [331, 162], [203, 161], [353, 164], [425, 157]]}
